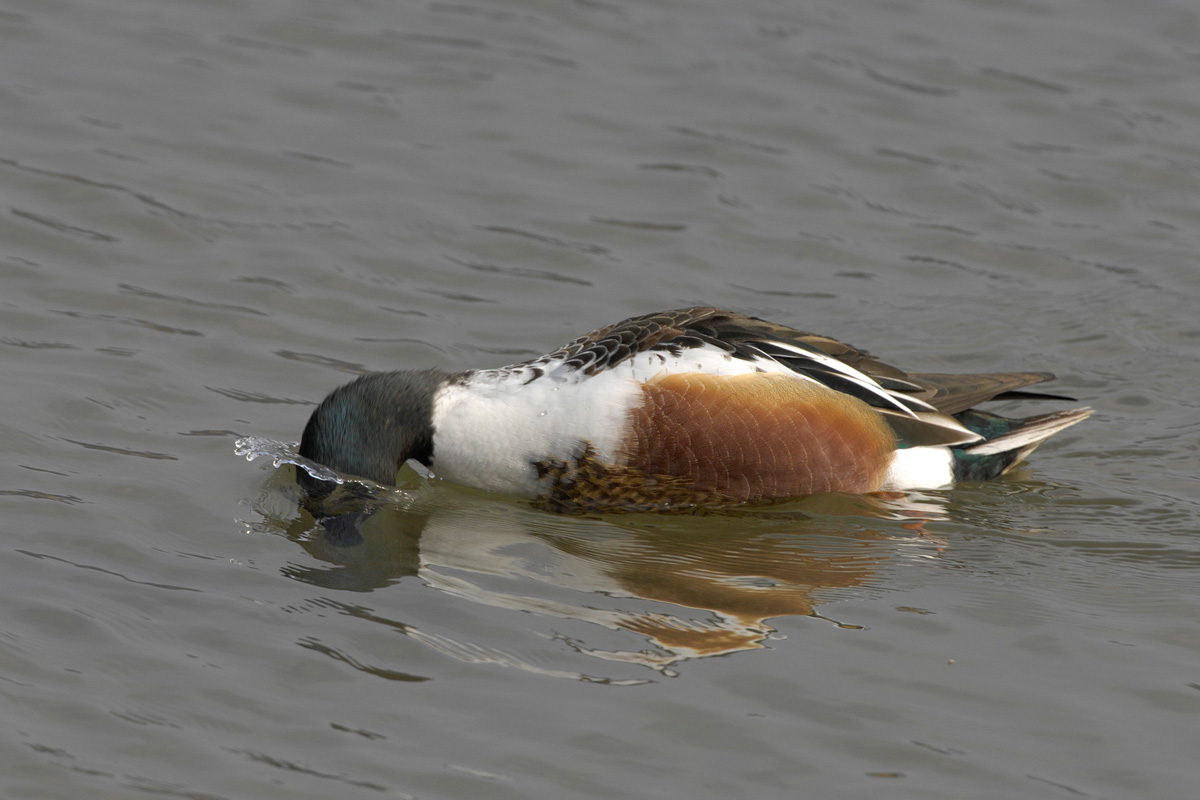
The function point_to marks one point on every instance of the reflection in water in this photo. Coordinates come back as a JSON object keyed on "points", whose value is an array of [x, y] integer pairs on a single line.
{"points": [[688, 586]]}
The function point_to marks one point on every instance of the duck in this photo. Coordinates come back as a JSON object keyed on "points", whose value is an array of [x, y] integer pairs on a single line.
{"points": [[696, 407]]}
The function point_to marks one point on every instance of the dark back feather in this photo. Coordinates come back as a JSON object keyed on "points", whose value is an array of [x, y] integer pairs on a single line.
{"points": [[751, 338]]}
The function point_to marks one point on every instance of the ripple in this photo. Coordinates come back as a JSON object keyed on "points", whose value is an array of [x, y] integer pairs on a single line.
{"points": [[37, 495], [257, 397], [143, 323], [908, 85], [63, 227], [126, 578], [35, 345], [123, 451], [129, 288], [581, 247], [523, 272], [641, 225], [325, 361], [696, 169], [730, 141], [1025, 80]]}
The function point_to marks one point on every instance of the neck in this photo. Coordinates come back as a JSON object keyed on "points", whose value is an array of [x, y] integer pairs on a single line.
{"points": [[370, 427]]}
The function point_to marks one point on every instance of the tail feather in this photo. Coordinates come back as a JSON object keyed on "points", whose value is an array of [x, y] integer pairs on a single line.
{"points": [[1006, 441]]}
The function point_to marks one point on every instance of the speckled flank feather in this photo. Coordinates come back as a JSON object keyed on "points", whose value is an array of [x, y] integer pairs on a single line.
{"points": [[757, 437], [588, 483]]}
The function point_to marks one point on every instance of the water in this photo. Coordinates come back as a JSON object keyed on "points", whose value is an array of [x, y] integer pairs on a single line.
{"points": [[215, 212]]}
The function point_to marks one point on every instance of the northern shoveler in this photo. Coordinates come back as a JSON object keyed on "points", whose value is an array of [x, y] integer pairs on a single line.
{"points": [[691, 407]]}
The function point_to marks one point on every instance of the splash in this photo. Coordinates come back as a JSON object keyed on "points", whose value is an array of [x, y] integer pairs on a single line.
{"points": [[280, 453]]}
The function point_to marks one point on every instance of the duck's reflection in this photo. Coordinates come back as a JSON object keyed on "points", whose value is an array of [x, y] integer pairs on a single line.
{"points": [[688, 586]]}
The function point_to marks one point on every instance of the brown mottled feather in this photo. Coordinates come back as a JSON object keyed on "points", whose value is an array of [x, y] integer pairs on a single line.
{"points": [[757, 436], [586, 484]]}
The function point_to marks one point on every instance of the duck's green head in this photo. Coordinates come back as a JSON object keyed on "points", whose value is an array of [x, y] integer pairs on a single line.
{"points": [[368, 428]]}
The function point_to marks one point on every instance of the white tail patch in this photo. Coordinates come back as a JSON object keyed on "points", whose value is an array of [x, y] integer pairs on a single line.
{"points": [[919, 468]]}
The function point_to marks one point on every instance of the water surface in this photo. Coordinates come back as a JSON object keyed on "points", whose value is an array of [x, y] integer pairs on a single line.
{"points": [[215, 212]]}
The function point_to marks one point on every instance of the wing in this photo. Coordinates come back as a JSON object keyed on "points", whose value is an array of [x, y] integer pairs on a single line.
{"points": [[918, 406]]}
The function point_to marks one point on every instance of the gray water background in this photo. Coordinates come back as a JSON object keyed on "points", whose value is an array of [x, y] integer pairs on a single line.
{"points": [[215, 211]]}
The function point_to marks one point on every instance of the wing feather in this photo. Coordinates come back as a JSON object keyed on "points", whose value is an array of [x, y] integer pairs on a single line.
{"points": [[918, 406]]}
